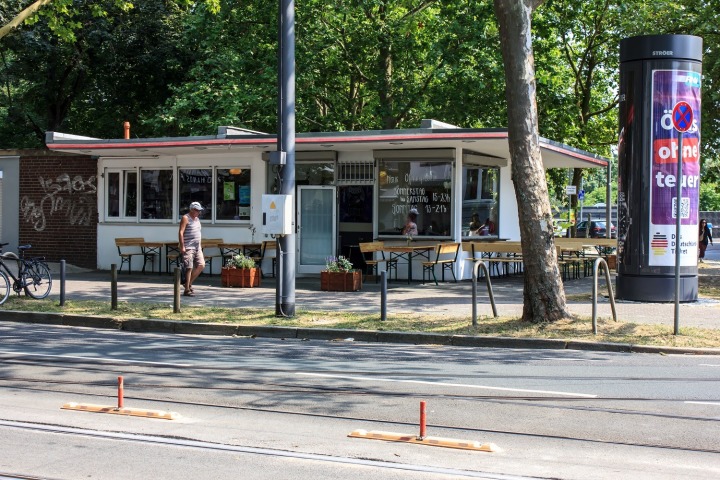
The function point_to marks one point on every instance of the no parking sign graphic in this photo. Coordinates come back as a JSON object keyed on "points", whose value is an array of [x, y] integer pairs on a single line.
{"points": [[675, 108]]}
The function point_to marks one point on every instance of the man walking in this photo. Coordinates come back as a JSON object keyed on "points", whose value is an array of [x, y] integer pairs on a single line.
{"points": [[190, 246]]}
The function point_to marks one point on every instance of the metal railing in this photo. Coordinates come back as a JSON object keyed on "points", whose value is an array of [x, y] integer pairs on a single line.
{"points": [[481, 264], [601, 261]]}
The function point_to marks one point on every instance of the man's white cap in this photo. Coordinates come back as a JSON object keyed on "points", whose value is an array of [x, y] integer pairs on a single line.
{"points": [[196, 206], [414, 210]]}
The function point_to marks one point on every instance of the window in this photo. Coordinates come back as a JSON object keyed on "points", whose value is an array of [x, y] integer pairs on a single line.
{"points": [[121, 191], [232, 194], [195, 185], [480, 199], [156, 194], [422, 185]]}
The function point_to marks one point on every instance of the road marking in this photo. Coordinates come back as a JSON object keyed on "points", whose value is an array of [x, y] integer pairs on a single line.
{"points": [[197, 444], [444, 384], [93, 359], [704, 403], [708, 365]]}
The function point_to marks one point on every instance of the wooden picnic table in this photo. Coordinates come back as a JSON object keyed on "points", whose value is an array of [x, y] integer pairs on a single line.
{"points": [[408, 253]]}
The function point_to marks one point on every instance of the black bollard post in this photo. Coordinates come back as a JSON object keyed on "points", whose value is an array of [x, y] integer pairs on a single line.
{"points": [[383, 295], [113, 286], [62, 283], [176, 291]]}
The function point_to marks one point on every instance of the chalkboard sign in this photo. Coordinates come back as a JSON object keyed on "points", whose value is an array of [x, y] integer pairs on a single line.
{"points": [[422, 185]]}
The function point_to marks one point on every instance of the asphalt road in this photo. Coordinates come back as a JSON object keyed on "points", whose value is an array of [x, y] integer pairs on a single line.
{"points": [[272, 408]]}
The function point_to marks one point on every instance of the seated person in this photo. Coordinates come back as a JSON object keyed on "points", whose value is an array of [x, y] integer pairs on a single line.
{"points": [[410, 227], [487, 228], [475, 224]]}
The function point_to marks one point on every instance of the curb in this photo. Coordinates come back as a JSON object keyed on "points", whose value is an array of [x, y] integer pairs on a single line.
{"points": [[141, 325]]}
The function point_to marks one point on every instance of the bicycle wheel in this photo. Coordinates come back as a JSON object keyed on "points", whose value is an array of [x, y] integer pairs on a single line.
{"points": [[38, 281], [4, 287]]}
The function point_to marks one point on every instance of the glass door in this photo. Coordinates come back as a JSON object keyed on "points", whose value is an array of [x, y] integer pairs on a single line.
{"points": [[316, 227]]}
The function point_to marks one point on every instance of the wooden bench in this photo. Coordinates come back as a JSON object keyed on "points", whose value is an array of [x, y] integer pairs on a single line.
{"points": [[496, 254], [211, 251], [372, 263], [129, 247], [267, 251]]}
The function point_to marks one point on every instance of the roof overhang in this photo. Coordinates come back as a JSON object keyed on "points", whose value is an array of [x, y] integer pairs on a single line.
{"points": [[482, 142]]}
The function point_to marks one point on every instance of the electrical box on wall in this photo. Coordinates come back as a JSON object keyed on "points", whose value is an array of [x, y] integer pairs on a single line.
{"points": [[277, 215]]}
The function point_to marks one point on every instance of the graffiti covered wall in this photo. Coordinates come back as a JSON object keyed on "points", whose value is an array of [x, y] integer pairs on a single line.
{"points": [[58, 207]]}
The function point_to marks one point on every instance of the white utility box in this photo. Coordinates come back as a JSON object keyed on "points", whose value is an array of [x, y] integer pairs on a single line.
{"points": [[277, 215]]}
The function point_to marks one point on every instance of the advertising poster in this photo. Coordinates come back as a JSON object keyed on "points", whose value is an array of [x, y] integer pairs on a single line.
{"points": [[668, 88], [244, 195], [229, 191]]}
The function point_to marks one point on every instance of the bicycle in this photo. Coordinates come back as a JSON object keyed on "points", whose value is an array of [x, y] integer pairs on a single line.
{"points": [[33, 275]]}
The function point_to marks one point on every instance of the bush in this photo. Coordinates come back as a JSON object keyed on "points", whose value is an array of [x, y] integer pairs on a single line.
{"points": [[240, 261], [339, 264]]}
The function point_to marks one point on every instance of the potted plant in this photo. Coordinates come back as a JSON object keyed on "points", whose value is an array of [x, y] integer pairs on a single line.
{"points": [[240, 271], [340, 276]]}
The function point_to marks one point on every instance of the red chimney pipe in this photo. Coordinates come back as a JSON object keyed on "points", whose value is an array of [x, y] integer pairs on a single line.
{"points": [[126, 125]]}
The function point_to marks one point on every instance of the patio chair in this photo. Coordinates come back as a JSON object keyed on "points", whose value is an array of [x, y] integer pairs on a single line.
{"points": [[369, 252], [446, 256]]}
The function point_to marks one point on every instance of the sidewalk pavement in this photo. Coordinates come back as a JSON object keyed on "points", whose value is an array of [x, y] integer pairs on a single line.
{"points": [[452, 300]]}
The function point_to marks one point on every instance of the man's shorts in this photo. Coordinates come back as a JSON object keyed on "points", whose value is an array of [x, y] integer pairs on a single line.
{"points": [[193, 257]]}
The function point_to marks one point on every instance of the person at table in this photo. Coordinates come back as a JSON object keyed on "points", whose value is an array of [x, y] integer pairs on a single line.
{"points": [[487, 228], [410, 227], [475, 224], [705, 236], [190, 246]]}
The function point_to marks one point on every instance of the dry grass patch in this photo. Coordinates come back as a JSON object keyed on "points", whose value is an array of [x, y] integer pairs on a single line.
{"points": [[569, 329]]}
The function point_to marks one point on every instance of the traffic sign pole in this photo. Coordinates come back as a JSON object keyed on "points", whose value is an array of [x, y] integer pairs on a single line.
{"points": [[682, 117], [678, 183]]}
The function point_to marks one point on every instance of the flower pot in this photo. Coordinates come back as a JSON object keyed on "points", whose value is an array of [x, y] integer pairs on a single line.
{"points": [[341, 281], [240, 277]]}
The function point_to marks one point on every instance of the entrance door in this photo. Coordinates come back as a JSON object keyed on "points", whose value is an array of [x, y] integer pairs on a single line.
{"points": [[316, 227]]}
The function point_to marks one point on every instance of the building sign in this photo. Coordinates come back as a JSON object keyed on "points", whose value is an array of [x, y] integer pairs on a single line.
{"points": [[668, 88]]}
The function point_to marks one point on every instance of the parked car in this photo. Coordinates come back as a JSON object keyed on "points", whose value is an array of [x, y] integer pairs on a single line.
{"points": [[597, 229]]}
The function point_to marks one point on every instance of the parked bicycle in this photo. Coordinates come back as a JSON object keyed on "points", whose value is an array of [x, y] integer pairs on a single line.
{"points": [[33, 274]]}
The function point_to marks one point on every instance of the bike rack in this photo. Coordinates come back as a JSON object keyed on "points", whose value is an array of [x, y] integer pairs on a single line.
{"points": [[476, 265], [601, 261]]}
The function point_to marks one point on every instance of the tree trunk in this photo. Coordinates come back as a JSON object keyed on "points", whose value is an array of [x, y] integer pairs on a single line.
{"points": [[543, 293]]}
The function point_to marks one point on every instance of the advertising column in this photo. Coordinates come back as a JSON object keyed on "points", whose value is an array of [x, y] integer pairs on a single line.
{"points": [[656, 73]]}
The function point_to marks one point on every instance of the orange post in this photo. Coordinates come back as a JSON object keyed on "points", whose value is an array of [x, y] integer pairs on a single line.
{"points": [[423, 420], [126, 126], [121, 392]]}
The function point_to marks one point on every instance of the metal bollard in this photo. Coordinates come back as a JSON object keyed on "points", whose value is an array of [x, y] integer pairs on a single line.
{"points": [[62, 283], [383, 295], [176, 291], [121, 393], [423, 420], [113, 287]]}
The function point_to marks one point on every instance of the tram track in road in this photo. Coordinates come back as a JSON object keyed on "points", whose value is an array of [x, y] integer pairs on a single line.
{"points": [[537, 402], [188, 443]]}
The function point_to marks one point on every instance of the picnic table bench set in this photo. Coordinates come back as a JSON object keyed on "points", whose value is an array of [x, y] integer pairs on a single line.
{"points": [[213, 248]]}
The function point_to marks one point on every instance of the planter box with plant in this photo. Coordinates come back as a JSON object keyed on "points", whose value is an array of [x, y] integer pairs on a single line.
{"points": [[339, 276], [240, 271]]}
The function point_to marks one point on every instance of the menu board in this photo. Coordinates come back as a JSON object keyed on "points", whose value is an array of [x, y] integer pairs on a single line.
{"points": [[424, 186]]}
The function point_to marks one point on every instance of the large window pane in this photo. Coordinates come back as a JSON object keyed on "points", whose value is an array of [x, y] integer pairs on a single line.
{"points": [[480, 201], [423, 185], [130, 187], [233, 194], [113, 194], [195, 185], [156, 194]]}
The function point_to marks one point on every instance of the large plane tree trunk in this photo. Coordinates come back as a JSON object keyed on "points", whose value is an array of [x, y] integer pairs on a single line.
{"points": [[543, 294]]}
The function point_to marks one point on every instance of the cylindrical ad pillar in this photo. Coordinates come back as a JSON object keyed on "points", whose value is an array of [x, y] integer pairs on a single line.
{"points": [[657, 72]]}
